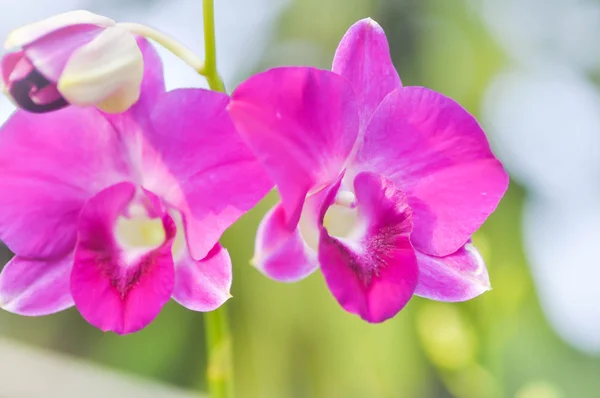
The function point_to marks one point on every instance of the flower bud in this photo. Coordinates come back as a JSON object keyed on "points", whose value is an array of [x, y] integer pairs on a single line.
{"points": [[76, 58]]}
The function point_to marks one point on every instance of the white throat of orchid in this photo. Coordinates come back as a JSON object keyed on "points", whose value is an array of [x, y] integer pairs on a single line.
{"points": [[341, 219], [137, 233]]}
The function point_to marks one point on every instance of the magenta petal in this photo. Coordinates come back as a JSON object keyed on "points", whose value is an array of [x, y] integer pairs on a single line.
{"points": [[50, 165], [288, 254], [33, 288], [302, 124], [374, 275], [460, 276], [281, 253], [435, 151], [51, 52], [203, 285], [153, 84], [9, 62], [363, 57], [215, 177], [111, 290]]}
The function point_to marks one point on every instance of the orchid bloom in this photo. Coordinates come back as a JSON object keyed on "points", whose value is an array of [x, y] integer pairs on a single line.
{"points": [[74, 58], [381, 185], [116, 214]]}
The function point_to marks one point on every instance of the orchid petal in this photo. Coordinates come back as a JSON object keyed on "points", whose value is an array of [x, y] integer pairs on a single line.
{"points": [[9, 62], [203, 285], [29, 33], [459, 276], [51, 164], [107, 72], [215, 178], [36, 287], [374, 273], [153, 83], [302, 124], [436, 152], [51, 53], [281, 253], [363, 57], [151, 90], [112, 290], [289, 254]]}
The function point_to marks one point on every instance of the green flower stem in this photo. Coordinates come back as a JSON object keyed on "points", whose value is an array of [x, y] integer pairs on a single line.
{"points": [[210, 58], [218, 345], [207, 68], [175, 47], [218, 336]]}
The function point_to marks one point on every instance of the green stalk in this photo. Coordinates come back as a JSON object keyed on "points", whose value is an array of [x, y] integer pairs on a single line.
{"points": [[175, 47], [219, 373], [218, 345], [210, 58]]}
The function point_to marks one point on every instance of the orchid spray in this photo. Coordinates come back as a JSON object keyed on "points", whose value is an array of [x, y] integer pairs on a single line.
{"points": [[116, 192]]}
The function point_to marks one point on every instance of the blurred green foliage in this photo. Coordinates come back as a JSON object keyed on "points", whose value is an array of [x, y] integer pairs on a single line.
{"points": [[294, 341]]}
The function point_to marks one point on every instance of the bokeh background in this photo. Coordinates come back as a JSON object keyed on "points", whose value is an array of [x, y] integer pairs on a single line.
{"points": [[529, 70]]}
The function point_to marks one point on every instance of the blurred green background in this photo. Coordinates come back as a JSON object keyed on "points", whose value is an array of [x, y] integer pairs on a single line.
{"points": [[294, 340]]}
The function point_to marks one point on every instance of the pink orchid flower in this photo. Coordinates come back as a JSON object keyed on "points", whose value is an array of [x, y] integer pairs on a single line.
{"points": [[381, 185], [75, 58], [116, 214]]}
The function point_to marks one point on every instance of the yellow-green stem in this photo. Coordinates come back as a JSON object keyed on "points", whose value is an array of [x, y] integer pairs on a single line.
{"points": [[219, 373], [210, 58], [175, 47], [218, 345]]}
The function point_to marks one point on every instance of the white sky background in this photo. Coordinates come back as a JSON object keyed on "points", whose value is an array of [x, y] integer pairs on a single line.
{"points": [[243, 29]]}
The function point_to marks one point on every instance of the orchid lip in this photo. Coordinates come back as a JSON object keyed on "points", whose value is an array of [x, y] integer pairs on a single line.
{"points": [[364, 250]]}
